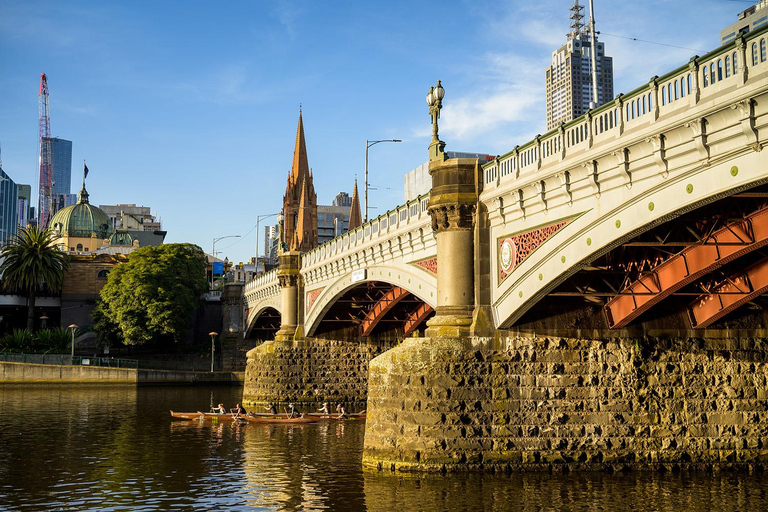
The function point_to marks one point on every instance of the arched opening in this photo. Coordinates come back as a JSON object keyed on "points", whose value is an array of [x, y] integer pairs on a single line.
{"points": [[265, 326], [374, 311]]}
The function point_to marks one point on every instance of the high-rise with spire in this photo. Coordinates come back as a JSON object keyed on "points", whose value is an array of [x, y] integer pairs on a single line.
{"points": [[569, 80], [300, 200]]}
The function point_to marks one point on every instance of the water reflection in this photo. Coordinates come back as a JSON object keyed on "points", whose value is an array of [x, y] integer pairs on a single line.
{"points": [[118, 449]]}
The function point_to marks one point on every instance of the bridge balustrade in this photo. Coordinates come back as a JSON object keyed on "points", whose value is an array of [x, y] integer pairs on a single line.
{"points": [[700, 81]]}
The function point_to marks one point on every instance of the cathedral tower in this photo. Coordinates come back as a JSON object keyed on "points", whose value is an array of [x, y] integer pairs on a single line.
{"points": [[300, 200]]}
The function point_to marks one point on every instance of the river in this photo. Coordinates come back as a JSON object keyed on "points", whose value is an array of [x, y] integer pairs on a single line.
{"points": [[117, 448]]}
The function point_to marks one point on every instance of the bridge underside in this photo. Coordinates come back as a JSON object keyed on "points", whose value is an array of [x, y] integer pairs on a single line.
{"points": [[266, 325], [375, 310], [704, 269]]}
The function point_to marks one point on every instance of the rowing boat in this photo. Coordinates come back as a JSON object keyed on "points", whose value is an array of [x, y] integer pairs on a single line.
{"points": [[186, 415], [278, 419], [263, 416]]}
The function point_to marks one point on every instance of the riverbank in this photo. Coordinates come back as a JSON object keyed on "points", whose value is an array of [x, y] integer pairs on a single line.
{"points": [[30, 373]]}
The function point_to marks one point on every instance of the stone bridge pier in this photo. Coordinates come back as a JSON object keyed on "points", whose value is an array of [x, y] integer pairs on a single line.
{"points": [[416, 416]]}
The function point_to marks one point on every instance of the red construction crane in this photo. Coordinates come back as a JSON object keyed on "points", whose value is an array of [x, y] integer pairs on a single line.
{"points": [[46, 157]]}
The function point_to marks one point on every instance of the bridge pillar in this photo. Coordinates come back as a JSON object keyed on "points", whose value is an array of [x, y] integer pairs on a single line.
{"points": [[452, 206], [413, 407], [289, 277]]}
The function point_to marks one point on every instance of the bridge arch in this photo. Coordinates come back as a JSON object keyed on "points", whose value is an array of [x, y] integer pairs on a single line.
{"points": [[617, 219], [270, 307], [422, 284]]}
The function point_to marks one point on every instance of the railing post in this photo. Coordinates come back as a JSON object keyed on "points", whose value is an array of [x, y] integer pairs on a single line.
{"points": [[693, 65], [741, 46], [653, 85], [619, 102]]}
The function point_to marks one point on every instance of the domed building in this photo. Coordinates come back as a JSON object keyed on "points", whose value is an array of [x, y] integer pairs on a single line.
{"points": [[82, 227]]}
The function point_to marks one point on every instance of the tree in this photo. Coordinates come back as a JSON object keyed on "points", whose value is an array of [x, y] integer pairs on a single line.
{"points": [[32, 263], [152, 295]]}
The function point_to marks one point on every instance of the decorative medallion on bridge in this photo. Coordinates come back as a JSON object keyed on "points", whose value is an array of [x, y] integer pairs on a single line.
{"points": [[514, 249], [312, 296], [429, 264]]}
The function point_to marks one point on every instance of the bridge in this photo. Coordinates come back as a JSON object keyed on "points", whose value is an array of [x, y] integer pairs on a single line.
{"points": [[642, 223], [385, 271], [562, 207]]}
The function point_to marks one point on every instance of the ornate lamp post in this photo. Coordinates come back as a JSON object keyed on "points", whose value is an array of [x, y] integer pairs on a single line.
{"points": [[368, 144], [73, 328], [435, 102], [213, 335]]}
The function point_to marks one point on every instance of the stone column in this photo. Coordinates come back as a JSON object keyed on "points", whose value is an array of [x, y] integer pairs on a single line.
{"points": [[452, 206], [289, 277], [232, 308]]}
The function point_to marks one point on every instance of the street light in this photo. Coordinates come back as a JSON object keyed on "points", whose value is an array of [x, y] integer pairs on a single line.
{"points": [[73, 327], [213, 252], [259, 218], [368, 144], [213, 335], [435, 101]]}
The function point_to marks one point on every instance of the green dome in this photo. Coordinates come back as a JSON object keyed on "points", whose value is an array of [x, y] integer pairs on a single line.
{"points": [[81, 220]]}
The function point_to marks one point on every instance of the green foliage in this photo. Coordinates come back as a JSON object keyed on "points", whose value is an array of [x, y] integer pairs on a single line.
{"points": [[151, 297], [32, 260], [55, 339], [18, 340]]}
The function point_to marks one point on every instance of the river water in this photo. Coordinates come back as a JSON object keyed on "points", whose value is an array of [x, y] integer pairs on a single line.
{"points": [[117, 448]]}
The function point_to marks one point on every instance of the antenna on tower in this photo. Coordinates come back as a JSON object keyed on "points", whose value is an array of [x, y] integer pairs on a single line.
{"points": [[593, 51], [46, 157], [576, 16]]}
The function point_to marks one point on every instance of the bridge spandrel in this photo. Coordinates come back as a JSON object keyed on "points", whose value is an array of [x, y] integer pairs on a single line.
{"points": [[548, 222]]}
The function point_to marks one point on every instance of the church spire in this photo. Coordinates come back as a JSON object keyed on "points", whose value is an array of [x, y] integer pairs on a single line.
{"points": [[300, 200], [300, 167], [355, 218]]}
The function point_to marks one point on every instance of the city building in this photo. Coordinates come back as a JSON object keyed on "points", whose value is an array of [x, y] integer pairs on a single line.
{"points": [[25, 208], [9, 207], [132, 217], [300, 200], [61, 150], [269, 249], [569, 91], [418, 182], [751, 19], [83, 228]]}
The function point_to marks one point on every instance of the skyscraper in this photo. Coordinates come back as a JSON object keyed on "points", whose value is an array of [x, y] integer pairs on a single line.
{"points": [[569, 80], [26, 213], [62, 166], [9, 207]]}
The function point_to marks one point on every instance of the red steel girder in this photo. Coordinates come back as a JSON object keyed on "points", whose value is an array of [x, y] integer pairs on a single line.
{"points": [[732, 241], [382, 306], [729, 295], [415, 318]]}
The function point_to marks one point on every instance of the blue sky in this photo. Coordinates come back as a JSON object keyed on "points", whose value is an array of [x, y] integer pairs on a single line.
{"points": [[191, 107]]}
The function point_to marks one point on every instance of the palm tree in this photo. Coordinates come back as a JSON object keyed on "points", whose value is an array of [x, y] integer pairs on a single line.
{"points": [[29, 261]]}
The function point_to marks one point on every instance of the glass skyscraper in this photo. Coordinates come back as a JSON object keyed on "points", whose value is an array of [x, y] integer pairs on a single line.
{"points": [[9, 207], [62, 166]]}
